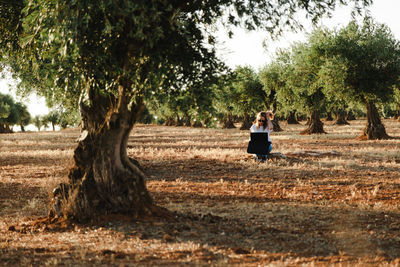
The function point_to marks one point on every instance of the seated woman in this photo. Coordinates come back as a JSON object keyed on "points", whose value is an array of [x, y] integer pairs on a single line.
{"points": [[263, 124]]}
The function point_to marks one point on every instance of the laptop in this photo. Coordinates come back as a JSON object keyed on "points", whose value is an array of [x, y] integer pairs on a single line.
{"points": [[258, 144]]}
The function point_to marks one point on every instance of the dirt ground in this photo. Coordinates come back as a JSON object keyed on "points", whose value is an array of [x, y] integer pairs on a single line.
{"points": [[333, 201]]}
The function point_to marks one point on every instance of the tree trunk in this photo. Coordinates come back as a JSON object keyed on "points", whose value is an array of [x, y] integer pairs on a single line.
{"points": [[308, 121], [397, 115], [275, 123], [341, 118], [374, 128], [247, 122], [291, 119], [104, 179], [316, 126], [22, 128], [329, 116], [197, 124], [179, 121], [170, 121], [350, 116], [187, 121], [228, 122], [4, 128]]}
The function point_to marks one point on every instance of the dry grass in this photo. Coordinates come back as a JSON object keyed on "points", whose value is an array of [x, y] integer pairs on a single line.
{"points": [[337, 204]]}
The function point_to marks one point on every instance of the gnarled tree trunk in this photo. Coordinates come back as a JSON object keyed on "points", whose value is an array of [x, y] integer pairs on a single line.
{"points": [[187, 119], [228, 122], [341, 118], [104, 179], [170, 121], [397, 115], [197, 124], [350, 116], [179, 121], [247, 122], [374, 128], [4, 128], [275, 123], [315, 126], [329, 116], [292, 119]]}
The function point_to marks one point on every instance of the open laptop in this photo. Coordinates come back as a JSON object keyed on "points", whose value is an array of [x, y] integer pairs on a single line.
{"points": [[258, 144]]}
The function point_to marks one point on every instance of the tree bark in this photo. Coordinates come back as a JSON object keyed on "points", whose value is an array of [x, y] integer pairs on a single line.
{"points": [[104, 179], [197, 124], [247, 122], [170, 121], [291, 119], [316, 126], [374, 128], [187, 121], [4, 128], [228, 122], [329, 116], [397, 115], [341, 118], [275, 123], [179, 121], [350, 116]]}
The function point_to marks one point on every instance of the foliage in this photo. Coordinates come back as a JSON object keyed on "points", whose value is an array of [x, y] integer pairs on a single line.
{"points": [[38, 122], [53, 118], [12, 113], [99, 44], [24, 118], [273, 76], [362, 62], [249, 97]]}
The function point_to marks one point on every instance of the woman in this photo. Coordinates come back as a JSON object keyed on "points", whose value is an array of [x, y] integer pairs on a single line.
{"points": [[263, 124]]}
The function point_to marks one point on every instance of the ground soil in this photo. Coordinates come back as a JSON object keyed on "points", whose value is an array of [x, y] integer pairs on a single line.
{"points": [[325, 200]]}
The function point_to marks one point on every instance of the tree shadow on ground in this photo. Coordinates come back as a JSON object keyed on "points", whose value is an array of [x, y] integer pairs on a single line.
{"points": [[16, 198], [254, 229]]}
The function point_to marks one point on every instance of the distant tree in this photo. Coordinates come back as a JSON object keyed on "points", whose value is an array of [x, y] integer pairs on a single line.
{"points": [[249, 97], [305, 81], [53, 118], [38, 122], [276, 75], [273, 80], [24, 117], [8, 113], [225, 92], [363, 65]]}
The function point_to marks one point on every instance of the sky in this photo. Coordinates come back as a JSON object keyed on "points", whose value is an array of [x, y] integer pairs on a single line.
{"points": [[245, 48]]}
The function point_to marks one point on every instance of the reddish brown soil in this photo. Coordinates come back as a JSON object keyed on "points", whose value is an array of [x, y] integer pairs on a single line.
{"points": [[333, 201]]}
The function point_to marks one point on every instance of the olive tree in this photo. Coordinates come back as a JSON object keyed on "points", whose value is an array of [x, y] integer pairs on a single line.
{"points": [[363, 65], [24, 117], [8, 113], [305, 82], [249, 96]]}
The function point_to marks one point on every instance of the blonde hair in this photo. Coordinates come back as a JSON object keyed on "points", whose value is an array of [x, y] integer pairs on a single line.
{"points": [[268, 116]]}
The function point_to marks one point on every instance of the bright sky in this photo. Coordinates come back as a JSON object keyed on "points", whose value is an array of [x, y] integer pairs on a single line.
{"points": [[247, 49]]}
